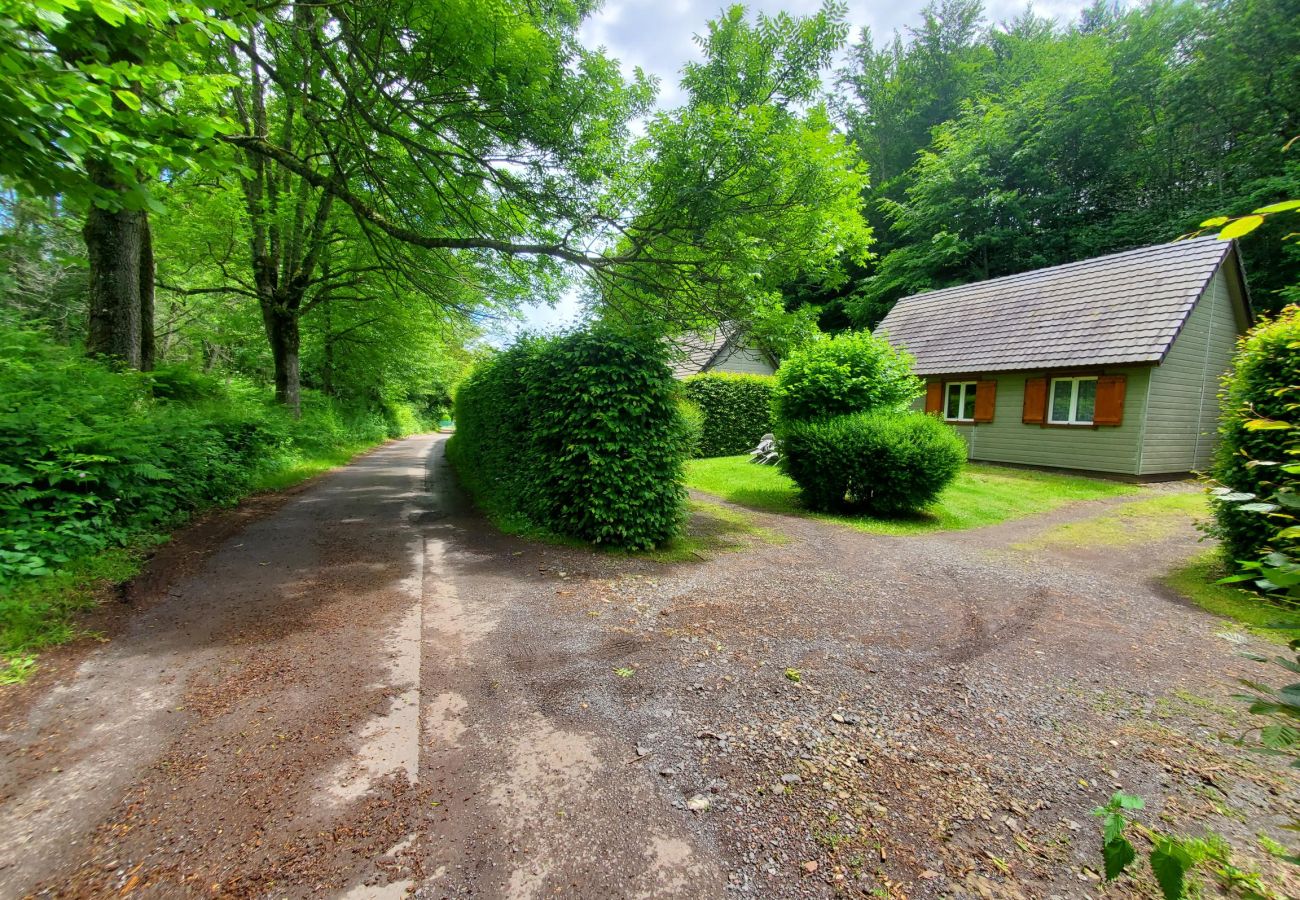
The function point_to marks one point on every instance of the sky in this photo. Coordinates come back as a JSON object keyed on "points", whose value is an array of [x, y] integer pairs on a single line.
{"points": [[658, 36]]}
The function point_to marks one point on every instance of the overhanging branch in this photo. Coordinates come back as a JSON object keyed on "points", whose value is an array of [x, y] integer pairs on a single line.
{"points": [[366, 213]]}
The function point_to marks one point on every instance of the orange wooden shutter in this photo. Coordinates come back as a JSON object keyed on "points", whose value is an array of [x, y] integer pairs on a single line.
{"points": [[986, 393], [934, 397], [1035, 401], [1110, 400]]}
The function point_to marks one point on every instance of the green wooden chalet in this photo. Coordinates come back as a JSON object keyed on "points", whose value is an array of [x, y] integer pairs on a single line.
{"points": [[1107, 365]]}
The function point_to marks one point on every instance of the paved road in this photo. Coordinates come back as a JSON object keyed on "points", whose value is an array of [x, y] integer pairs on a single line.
{"points": [[335, 702]]}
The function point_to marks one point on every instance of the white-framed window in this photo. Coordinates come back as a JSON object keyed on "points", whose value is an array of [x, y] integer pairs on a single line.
{"points": [[959, 401], [1072, 401]]}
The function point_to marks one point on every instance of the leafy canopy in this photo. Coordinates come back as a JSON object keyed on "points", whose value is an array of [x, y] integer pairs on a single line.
{"points": [[119, 85], [849, 373], [742, 187]]}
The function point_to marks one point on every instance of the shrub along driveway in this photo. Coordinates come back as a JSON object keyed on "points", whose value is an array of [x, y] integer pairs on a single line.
{"points": [[371, 690]]}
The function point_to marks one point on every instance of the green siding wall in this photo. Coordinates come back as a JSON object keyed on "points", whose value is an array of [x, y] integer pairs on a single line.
{"points": [[1184, 400], [1103, 449], [743, 360]]}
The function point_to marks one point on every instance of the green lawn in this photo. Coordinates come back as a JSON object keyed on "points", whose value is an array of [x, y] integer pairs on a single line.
{"points": [[1137, 522], [1196, 582], [981, 495]]}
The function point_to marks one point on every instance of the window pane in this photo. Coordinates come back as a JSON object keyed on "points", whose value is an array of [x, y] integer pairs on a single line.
{"points": [[1061, 400], [1087, 400], [953, 407], [968, 408]]}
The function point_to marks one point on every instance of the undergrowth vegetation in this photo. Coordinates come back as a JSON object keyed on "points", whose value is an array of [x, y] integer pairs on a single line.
{"points": [[580, 435], [94, 461]]}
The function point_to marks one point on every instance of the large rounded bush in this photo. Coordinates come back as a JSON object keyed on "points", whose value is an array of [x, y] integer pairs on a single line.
{"points": [[737, 410], [886, 463], [1263, 387], [580, 434], [848, 373]]}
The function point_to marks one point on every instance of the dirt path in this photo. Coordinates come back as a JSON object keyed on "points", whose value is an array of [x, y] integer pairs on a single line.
{"points": [[371, 693]]}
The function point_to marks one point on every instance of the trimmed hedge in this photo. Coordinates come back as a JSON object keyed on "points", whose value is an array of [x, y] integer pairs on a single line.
{"points": [[693, 421], [580, 435], [1264, 384], [849, 373], [886, 463], [737, 410]]}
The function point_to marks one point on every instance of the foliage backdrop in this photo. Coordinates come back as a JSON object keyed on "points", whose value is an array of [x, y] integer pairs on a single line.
{"points": [[995, 148], [737, 410], [1258, 457]]}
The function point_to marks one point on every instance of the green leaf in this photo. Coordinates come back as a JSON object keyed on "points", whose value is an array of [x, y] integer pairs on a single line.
{"points": [[1170, 862], [1279, 737], [1215, 222], [129, 98], [1284, 206], [1266, 425], [1241, 227], [110, 12], [1128, 801], [1118, 854]]}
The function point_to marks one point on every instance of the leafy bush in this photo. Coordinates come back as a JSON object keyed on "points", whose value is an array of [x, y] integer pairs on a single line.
{"points": [[580, 435], [91, 457], [693, 421], [884, 462], [1258, 462], [848, 373], [737, 410]]}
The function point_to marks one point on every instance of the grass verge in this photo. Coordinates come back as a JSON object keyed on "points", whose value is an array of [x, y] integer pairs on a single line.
{"points": [[1138, 522], [1195, 581], [981, 495], [710, 530], [41, 612]]}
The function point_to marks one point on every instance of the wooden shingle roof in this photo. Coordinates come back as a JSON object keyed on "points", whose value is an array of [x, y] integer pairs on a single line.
{"points": [[1119, 309]]}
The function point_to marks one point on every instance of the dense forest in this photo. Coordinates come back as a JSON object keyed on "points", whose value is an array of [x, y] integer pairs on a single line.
{"points": [[997, 148]]}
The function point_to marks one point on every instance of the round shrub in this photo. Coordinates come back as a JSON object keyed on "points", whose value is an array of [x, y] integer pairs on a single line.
{"points": [[737, 410], [579, 434], [886, 463], [1262, 387], [848, 373]]}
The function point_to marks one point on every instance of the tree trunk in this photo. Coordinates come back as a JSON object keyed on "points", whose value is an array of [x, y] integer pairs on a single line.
{"points": [[327, 369], [113, 244], [282, 331], [146, 295]]}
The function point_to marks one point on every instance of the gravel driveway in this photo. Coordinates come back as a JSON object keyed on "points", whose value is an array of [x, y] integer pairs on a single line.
{"points": [[369, 692]]}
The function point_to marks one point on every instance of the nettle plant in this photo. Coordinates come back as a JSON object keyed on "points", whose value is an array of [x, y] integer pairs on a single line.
{"points": [[1174, 860]]}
